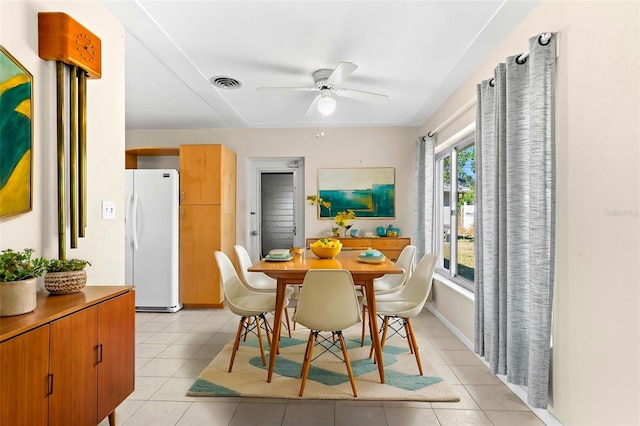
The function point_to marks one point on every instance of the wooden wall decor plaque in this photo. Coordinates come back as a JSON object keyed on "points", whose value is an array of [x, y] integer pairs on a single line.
{"points": [[62, 38]]}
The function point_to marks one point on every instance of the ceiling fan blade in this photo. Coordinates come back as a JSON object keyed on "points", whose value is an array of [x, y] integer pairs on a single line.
{"points": [[362, 96], [342, 71], [297, 89], [312, 107]]}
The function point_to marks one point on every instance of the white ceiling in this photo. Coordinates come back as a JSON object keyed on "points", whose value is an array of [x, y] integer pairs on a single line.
{"points": [[415, 52]]}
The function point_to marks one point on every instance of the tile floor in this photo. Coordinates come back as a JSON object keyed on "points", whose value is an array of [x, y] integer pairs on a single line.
{"points": [[172, 349]]}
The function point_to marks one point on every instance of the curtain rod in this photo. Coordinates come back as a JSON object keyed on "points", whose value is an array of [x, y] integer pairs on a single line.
{"points": [[543, 39]]}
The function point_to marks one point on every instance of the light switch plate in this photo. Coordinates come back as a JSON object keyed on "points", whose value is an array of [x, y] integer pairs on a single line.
{"points": [[108, 210]]}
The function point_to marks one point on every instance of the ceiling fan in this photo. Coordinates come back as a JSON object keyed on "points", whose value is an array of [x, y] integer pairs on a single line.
{"points": [[327, 82]]}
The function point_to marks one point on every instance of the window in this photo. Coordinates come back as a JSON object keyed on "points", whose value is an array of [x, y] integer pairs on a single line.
{"points": [[455, 209]]}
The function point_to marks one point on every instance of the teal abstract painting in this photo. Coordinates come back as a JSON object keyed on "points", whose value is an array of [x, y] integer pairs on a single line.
{"points": [[369, 191]]}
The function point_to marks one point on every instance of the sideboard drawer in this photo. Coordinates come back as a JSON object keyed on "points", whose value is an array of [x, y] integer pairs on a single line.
{"points": [[363, 243], [360, 243], [388, 243]]}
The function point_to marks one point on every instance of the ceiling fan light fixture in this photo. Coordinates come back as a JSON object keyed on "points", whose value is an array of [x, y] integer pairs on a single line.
{"points": [[326, 105]]}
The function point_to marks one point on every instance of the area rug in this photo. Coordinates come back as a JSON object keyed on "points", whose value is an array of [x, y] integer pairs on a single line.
{"points": [[328, 377]]}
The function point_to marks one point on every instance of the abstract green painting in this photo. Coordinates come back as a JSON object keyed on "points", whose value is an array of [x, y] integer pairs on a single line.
{"points": [[369, 191], [15, 135]]}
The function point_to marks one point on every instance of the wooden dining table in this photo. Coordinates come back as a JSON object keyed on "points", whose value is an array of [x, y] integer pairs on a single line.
{"points": [[293, 272]]}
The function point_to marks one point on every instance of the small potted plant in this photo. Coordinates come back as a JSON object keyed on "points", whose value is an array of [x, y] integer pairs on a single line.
{"points": [[18, 273], [65, 276]]}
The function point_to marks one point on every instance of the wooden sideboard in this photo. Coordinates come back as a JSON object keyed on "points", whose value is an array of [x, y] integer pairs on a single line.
{"points": [[389, 246], [71, 360]]}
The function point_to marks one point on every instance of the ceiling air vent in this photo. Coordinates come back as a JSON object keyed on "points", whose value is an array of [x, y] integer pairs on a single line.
{"points": [[225, 82]]}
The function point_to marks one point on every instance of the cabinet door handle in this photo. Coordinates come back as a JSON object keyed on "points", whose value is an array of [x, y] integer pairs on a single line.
{"points": [[99, 353], [50, 384], [182, 196], [181, 213]]}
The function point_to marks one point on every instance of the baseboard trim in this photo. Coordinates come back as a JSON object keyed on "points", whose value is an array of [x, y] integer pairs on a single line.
{"points": [[544, 415], [203, 305]]}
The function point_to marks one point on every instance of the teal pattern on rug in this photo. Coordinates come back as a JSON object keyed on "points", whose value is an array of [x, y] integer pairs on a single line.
{"points": [[289, 368], [206, 386]]}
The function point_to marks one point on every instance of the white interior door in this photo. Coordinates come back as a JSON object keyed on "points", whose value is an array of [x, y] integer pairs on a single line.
{"points": [[257, 206]]}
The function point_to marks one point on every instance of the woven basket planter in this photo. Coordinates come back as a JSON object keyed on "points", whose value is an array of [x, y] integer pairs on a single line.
{"points": [[17, 297], [65, 282]]}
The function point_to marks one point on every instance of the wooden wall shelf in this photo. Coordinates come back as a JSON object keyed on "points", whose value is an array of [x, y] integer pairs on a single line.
{"points": [[131, 155]]}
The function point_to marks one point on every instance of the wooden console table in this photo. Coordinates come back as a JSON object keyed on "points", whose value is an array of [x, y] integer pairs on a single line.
{"points": [[71, 360], [389, 246]]}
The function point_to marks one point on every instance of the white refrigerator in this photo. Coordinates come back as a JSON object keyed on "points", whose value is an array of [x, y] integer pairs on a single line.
{"points": [[151, 238]]}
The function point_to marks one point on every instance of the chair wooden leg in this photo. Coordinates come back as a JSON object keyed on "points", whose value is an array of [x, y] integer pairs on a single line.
{"points": [[385, 327], [264, 361], [371, 331], [286, 316], [364, 319], [236, 344], [266, 329], [306, 351], [346, 360], [414, 343], [407, 330], [249, 321], [384, 332], [307, 361]]}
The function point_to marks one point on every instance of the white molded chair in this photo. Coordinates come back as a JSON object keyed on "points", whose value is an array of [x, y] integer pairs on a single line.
{"points": [[408, 303], [259, 282], [392, 283], [245, 303], [327, 303]]}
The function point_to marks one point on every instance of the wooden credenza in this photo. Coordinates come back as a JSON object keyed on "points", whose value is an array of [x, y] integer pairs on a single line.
{"points": [[71, 360], [389, 246]]}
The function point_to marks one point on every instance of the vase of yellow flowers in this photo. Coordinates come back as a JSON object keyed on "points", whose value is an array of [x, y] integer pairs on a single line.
{"points": [[342, 220]]}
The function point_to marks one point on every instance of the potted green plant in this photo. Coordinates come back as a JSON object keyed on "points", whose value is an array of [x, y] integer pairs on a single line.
{"points": [[18, 273], [65, 276]]}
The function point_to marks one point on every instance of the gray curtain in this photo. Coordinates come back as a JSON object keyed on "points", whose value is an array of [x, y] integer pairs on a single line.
{"points": [[423, 190], [515, 219]]}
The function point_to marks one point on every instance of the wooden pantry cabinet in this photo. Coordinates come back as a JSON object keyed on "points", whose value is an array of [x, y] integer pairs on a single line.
{"points": [[71, 360], [207, 221], [391, 247]]}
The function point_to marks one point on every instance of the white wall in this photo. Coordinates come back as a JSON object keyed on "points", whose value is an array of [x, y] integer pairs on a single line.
{"points": [[596, 367], [340, 147], [37, 229]]}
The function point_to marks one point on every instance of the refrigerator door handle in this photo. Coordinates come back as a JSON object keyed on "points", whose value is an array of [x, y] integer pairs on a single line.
{"points": [[127, 220], [134, 221]]}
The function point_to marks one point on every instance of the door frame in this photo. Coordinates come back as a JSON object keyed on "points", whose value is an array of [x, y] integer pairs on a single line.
{"points": [[258, 166]]}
